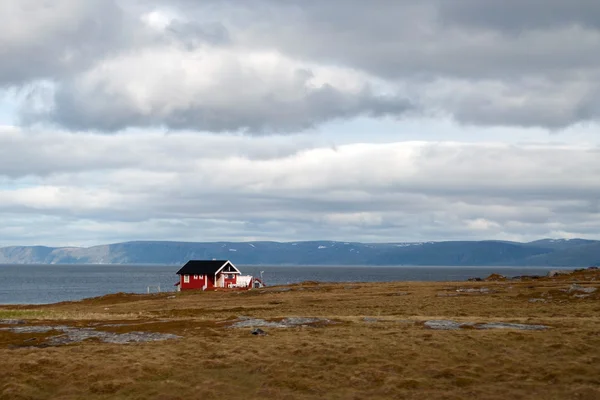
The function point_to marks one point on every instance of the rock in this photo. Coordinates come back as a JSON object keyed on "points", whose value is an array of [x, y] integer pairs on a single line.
{"points": [[245, 322], [578, 288], [258, 332], [474, 290], [525, 277], [78, 335], [444, 325], [505, 325], [537, 300], [74, 335], [448, 325], [36, 329], [558, 272], [12, 321], [474, 279], [495, 278], [370, 319]]}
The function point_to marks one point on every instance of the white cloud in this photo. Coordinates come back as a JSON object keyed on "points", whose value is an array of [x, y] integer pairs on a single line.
{"points": [[398, 191], [215, 89], [404, 121]]}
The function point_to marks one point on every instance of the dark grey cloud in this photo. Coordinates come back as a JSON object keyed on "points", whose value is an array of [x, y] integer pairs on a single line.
{"points": [[396, 39], [518, 16], [266, 113], [193, 35], [515, 63], [54, 39], [511, 57]]}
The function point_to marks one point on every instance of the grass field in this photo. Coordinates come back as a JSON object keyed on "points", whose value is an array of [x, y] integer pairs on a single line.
{"points": [[371, 344]]}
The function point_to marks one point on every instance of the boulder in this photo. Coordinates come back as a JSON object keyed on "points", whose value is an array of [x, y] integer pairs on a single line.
{"points": [[558, 272], [496, 278], [578, 288]]}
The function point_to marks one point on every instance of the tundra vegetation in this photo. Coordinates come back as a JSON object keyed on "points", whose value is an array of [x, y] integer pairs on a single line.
{"points": [[433, 340]]}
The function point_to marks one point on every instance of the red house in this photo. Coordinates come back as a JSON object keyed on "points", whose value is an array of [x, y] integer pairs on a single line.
{"points": [[206, 275]]}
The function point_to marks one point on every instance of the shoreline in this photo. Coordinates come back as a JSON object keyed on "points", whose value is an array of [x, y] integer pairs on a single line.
{"points": [[492, 277]]}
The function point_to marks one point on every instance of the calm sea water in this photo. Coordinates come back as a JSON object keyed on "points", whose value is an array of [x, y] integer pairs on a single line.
{"points": [[39, 284]]}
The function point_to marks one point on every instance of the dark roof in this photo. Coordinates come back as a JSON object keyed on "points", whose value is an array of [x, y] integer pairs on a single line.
{"points": [[201, 267]]}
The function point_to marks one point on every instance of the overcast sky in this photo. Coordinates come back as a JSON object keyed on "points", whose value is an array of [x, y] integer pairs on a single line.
{"points": [[351, 120]]}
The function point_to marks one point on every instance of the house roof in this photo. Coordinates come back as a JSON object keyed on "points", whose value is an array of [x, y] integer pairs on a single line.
{"points": [[201, 267]]}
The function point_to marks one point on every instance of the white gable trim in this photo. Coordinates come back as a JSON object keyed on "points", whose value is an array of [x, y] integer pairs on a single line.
{"points": [[224, 265]]}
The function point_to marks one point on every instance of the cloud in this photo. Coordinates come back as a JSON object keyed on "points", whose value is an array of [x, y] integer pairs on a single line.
{"points": [[516, 16], [25, 153], [265, 66], [51, 40], [214, 89], [215, 187], [200, 99]]}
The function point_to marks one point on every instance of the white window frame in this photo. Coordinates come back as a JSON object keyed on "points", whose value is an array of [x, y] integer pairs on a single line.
{"points": [[186, 279], [195, 276]]}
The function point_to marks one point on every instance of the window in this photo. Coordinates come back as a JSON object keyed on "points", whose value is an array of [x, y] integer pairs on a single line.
{"points": [[201, 276], [186, 279], [195, 276]]}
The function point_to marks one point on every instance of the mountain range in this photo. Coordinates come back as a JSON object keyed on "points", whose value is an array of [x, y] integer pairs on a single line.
{"points": [[546, 252]]}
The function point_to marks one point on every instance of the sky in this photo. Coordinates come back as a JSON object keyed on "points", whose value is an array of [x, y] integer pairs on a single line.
{"points": [[288, 120]]}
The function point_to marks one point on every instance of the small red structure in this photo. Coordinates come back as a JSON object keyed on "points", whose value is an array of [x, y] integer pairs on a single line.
{"points": [[207, 275]]}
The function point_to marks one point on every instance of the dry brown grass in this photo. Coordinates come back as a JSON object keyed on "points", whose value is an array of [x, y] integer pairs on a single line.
{"points": [[392, 357]]}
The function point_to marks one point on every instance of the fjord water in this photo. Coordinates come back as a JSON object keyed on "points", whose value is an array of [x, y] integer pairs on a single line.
{"points": [[40, 284]]}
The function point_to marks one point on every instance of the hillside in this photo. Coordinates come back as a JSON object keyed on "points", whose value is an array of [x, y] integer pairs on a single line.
{"points": [[548, 252]]}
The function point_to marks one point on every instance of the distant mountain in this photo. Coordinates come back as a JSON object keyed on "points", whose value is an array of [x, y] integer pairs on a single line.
{"points": [[561, 244], [576, 252], [546, 252]]}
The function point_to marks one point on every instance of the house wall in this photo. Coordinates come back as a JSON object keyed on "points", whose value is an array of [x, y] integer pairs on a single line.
{"points": [[227, 281], [210, 283], [244, 280], [195, 282]]}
